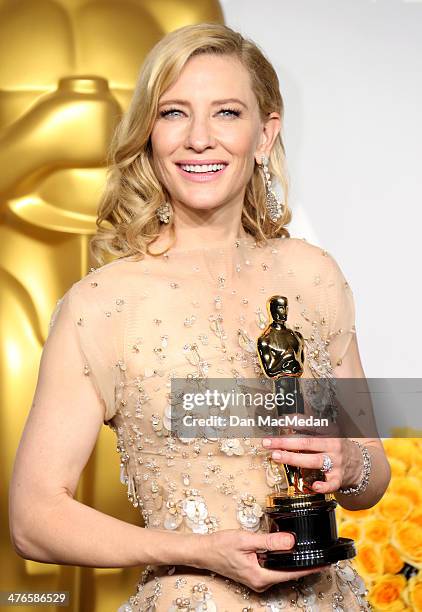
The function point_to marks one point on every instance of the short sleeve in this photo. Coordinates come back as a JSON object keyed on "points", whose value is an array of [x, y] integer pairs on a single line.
{"points": [[67, 355], [341, 313]]}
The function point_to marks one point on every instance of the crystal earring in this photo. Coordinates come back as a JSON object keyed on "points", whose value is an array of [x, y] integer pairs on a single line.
{"points": [[274, 206], [164, 212]]}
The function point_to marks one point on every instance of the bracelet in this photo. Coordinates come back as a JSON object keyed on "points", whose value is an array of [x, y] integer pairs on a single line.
{"points": [[366, 470]]}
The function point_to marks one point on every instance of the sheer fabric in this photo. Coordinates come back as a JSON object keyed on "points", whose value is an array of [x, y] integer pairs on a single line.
{"points": [[197, 313]]}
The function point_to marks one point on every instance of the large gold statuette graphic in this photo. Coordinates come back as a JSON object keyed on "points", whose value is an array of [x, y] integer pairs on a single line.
{"points": [[298, 509], [68, 71]]}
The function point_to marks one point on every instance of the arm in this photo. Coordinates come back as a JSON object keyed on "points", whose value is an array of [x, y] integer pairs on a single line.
{"points": [[344, 355], [351, 367], [47, 524]]}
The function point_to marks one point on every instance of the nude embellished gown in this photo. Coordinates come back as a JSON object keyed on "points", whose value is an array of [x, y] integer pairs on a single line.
{"points": [[197, 313]]}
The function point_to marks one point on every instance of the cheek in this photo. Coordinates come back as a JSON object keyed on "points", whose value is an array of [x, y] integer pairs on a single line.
{"points": [[240, 142], [165, 139], [161, 149]]}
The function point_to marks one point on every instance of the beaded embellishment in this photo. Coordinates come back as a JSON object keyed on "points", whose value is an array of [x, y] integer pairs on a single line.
{"points": [[249, 512]]}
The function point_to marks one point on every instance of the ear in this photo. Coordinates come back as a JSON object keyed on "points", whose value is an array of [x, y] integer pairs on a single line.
{"points": [[269, 132]]}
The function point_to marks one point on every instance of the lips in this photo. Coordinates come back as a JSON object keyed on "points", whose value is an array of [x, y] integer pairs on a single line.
{"points": [[200, 162], [200, 177]]}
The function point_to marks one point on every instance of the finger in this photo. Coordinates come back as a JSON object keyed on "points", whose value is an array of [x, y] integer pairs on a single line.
{"points": [[304, 444], [313, 461], [331, 485], [261, 542], [284, 575]]}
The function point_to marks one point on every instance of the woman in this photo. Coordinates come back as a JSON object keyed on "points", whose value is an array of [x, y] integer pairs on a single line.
{"points": [[201, 244]]}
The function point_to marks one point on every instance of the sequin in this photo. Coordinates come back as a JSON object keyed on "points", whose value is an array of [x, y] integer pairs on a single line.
{"points": [[231, 446], [189, 321], [136, 347], [221, 281]]}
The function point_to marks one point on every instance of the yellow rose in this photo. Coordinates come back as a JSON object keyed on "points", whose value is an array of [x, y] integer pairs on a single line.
{"points": [[407, 486], [417, 456], [350, 529], [400, 448], [394, 507], [368, 562], [416, 472], [407, 538], [413, 593], [377, 530], [386, 593], [416, 517], [392, 559], [398, 467]]}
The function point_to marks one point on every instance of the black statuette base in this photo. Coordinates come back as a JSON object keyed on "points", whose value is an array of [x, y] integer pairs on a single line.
{"points": [[312, 520], [293, 559]]}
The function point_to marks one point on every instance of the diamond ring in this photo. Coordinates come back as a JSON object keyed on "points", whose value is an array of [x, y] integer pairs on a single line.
{"points": [[327, 464]]}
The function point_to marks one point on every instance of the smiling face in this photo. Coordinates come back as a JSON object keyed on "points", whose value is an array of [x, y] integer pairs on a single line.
{"points": [[208, 134]]}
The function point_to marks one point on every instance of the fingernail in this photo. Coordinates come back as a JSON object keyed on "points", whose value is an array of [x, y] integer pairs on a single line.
{"points": [[266, 442], [317, 486], [288, 540], [276, 455]]}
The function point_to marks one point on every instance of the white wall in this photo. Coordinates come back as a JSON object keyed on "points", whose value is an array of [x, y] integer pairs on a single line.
{"points": [[351, 77]]}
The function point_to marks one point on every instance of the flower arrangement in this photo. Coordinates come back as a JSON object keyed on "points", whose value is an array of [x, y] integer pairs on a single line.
{"points": [[388, 536]]}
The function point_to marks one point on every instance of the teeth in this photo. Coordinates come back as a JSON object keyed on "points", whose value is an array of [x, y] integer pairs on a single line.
{"points": [[204, 168]]}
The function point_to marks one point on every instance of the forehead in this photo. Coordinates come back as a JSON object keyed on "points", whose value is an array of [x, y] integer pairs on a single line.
{"points": [[212, 75]]}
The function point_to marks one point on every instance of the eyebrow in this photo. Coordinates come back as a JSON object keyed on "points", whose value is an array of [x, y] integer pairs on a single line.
{"points": [[187, 103]]}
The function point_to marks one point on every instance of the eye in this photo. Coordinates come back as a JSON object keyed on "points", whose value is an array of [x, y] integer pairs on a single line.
{"points": [[232, 111], [169, 112]]}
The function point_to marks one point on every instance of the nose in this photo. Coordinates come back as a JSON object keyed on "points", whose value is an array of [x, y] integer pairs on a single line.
{"points": [[199, 134]]}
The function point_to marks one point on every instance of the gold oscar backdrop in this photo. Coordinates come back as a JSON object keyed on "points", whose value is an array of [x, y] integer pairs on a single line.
{"points": [[67, 72]]}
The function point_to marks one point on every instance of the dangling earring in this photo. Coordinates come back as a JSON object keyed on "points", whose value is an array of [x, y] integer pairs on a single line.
{"points": [[274, 206], [164, 212]]}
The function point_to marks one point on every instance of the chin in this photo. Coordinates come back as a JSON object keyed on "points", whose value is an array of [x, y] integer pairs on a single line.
{"points": [[203, 206]]}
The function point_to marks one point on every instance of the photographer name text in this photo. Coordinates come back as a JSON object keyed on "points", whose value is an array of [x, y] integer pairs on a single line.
{"points": [[286, 420]]}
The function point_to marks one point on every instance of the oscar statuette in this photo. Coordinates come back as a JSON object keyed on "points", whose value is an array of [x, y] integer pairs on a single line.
{"points": [[298, 509]]}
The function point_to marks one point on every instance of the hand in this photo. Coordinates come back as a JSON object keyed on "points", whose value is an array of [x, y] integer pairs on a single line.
{"points": [[232, 553], [308, 452]]}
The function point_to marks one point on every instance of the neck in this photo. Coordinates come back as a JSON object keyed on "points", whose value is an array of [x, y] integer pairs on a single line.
{"points": [[198, 228]]}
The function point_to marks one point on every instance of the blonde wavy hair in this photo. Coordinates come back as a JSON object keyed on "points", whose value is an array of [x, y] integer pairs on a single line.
{"points": [[127, 223]]}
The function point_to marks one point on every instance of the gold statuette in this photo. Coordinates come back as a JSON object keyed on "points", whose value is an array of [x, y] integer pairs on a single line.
{"points": [[297, 509]]}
